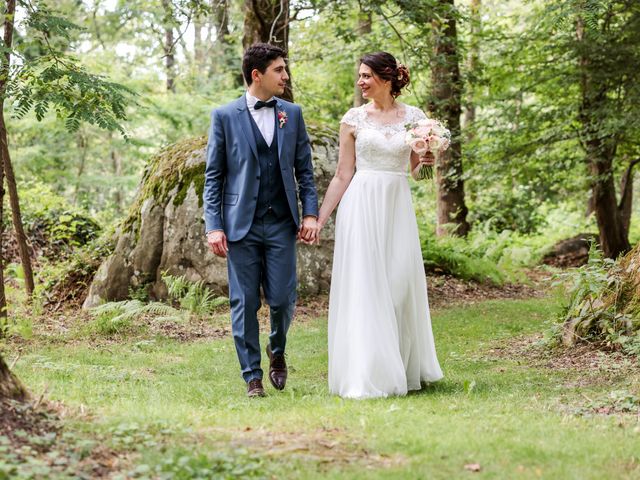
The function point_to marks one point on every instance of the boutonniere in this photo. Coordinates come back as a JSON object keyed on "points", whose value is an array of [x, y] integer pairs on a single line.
{"points": [[282, 118]]}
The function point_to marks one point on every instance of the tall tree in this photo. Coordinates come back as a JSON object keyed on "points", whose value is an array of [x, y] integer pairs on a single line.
{"points": [[169, 46], [45, 77], [599, 93], [438, 19], [21, 237], [267, 21], [198, 49], [225, 45], [363, 28], [473, 60], [446, 105]]}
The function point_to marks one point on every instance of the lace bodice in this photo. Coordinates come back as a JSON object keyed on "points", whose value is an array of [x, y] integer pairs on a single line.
{"points": [[381, 146]]}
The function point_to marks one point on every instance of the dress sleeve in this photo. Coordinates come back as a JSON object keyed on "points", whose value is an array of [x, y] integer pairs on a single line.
{"points": [[351, 117], [417, 114]]}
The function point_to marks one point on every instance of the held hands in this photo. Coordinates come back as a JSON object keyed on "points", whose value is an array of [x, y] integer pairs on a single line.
{"points": [[217, 241], [309, 230]]}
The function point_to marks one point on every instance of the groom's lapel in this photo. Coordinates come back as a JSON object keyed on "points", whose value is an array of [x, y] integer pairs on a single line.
{"points": [[245, 123], [280, 131]]}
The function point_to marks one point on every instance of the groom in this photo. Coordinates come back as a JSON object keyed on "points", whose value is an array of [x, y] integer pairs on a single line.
{"points": [[257, 144]]}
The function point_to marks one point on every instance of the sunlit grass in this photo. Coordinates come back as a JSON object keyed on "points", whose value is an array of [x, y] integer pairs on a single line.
{"points": [[188, 399]]}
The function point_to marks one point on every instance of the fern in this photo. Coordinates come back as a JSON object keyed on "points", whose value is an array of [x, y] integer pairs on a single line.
{"points": [[176, 286], [194, 297], [133, 309]]}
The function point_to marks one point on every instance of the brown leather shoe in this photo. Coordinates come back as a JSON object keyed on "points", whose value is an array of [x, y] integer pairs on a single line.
{"points": [[255, 388], [277, 369]]}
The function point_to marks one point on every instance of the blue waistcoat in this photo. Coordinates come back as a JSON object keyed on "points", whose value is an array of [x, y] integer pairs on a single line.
{"points": [[271, 195]]}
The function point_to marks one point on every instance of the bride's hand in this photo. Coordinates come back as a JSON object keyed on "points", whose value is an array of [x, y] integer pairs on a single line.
{"points": [[427, 159], [317, 240]]}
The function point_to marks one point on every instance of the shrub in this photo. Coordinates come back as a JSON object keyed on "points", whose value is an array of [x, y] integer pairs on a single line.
{"points": [[604, 303], [54, 226]]}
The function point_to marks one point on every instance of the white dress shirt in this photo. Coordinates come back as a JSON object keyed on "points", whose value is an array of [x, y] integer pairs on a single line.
{"points": [[264, 118]]}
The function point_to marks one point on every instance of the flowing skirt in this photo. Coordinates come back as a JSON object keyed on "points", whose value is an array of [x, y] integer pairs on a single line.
{"points": [[380, 338]]}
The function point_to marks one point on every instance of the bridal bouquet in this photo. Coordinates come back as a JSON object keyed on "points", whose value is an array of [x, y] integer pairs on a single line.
{"points": [[424, 136]]}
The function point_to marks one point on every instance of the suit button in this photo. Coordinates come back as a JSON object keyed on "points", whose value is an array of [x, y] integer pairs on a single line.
{"points": [[258, 177], [255, 198]]}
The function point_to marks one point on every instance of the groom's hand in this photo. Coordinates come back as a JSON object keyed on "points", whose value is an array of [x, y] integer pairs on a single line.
{"points": [[217, 241], [308, 232]]}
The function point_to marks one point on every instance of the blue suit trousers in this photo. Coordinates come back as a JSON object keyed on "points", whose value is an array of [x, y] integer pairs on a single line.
{"points": [[265, 257]]}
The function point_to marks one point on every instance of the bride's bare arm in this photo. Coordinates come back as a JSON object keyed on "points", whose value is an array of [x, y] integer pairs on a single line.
{"points": [[344, 173]]}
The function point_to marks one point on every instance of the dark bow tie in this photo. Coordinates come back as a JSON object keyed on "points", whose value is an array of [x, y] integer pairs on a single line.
{"points": [[260, 104]]}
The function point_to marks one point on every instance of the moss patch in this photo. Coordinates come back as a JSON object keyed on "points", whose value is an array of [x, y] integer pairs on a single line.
{"points": [[165, 171]]}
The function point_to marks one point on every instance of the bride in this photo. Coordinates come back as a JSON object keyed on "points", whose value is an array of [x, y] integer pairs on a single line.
{"points": [[380, 339]]}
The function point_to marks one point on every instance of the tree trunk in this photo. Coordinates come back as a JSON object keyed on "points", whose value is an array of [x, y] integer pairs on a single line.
{"points": [[198, 51], [168, 47], [613, 236], [591, 206], [472, 67], [267, 21], [21, 237], [16, 216], [625, 206], [3, 298], [446, 105], [4, 75], [228, 60], [600, 153], [10, 387], [364, 28]]}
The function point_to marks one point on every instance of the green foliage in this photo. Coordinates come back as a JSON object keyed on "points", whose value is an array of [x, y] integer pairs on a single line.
{"points": [[76, 95], [194, 297], [52, 222], [516, 209], [615, 402], [187, 465], [116, 317], [451, 255], [530, 136], [601, 307], [52, 79], [68, 280]]}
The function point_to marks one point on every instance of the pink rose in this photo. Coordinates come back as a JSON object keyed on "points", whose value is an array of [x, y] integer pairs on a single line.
{"points": [[419, 146], [427, 122], [422, 131]]}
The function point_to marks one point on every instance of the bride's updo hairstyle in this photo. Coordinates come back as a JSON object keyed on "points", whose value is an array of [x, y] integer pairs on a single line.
{"points": [[389, 69]]}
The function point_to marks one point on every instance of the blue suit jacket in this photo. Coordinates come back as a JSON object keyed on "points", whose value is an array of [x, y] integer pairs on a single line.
{"points": [[233, 170]]}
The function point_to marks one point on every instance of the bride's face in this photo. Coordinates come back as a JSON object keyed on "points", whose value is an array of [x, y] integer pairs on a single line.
{"points": [[372, 85]]}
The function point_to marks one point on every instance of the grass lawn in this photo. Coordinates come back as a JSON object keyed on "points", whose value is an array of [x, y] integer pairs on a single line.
{"points": [[179, 407]]}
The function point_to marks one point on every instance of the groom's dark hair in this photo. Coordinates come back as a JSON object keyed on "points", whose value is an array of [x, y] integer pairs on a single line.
{"points": [[259, 56]]}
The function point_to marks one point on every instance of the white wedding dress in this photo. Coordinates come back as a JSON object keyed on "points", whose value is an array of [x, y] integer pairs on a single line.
{"points": [[380, 338]]}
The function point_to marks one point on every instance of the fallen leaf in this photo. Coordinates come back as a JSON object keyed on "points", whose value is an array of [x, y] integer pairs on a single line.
{"points": [[472, 467]]}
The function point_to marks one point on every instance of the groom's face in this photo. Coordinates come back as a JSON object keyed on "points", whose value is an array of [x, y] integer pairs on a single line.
{"points": [[274, 80]]}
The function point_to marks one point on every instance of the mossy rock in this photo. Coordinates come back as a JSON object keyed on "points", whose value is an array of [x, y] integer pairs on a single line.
{"points": [[164, 230]]}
